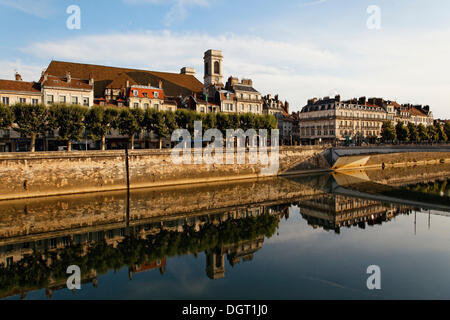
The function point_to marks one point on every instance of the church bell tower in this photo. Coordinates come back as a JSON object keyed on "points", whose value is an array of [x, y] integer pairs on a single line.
{"points": [[213, 68]]}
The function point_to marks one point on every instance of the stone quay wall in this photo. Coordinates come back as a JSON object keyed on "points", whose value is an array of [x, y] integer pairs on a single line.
{"points": [[63, 215], [25, 175]]}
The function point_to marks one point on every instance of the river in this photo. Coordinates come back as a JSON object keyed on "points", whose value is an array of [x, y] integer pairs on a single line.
{"points": [[304, 237]]}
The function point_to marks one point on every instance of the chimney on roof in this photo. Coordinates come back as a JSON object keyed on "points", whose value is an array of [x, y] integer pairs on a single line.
{"points": [[69, 77], [187, 71], [91, 80], [231, 82], [276, 97], [337, 98], [160, 84], [312, 101], [362, 101], [18, 77], [128, 84], [247, 82], [378, 102], [286, 106]]}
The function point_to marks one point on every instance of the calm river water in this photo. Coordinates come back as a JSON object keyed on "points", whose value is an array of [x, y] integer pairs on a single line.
{"points": [[310, 237]]}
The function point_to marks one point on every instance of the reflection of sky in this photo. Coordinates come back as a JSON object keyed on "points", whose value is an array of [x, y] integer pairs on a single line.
{"points": [[303, 263]]}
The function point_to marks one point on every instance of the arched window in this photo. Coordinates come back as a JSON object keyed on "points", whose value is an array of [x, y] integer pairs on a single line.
{"points": [[217, 67], [207, 71]]}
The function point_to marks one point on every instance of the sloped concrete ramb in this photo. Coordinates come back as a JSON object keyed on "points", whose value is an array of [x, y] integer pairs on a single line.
{"points": [[352, 158]]}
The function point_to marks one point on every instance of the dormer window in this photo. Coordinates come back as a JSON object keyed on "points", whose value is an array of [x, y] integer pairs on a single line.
{"points": [[135, 93], [156, 94], [145, 94]]}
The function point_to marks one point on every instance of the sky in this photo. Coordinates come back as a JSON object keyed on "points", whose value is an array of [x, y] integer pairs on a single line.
{"points": [[298, 49]]}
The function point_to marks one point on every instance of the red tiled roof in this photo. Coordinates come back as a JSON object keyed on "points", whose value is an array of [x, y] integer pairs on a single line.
{"points": [[373, 106], [22, 86], [173, 103], [149, 91], [120, 81], [416, 112], [53, 81], [174, 84]]}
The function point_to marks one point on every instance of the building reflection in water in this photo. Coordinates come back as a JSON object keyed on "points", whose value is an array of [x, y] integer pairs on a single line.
{"points": [[35, 261], [332, 212], [152, 243]]}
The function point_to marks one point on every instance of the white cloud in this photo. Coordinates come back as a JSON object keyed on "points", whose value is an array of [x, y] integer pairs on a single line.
{"points": [[29, 72], [166, 50], [312, 3], [395, 66], [42, 8]]}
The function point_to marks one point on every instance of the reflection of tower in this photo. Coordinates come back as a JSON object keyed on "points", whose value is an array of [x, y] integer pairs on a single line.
{"points": [[162, 269], [213, 69], [215, 264], [48, 293]]}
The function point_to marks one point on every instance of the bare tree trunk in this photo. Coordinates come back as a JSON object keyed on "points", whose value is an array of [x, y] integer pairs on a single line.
{"points": [[103, 145], [160, 143], [33, 142], [132, 141], [69, 145]]}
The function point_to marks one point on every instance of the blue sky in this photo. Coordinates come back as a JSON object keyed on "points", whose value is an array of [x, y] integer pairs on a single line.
{"points": [[297, 48]]}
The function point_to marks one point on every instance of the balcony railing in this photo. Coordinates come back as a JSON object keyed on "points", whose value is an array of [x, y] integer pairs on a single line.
{"points": [[340, 117]]}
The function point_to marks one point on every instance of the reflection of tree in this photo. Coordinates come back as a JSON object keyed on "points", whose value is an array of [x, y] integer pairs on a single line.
{"points": [[435, 191], [36, 270], [432, 188], [31, 271]]}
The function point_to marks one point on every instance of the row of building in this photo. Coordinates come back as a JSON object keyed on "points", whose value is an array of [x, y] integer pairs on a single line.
{"points": [[88, 85], [320, 121], [331, 120]]}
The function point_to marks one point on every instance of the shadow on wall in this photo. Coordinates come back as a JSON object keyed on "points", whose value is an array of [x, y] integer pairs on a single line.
{"points": [[312, 161]]}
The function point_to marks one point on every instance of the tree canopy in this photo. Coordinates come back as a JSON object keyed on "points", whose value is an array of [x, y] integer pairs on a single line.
{"points": [[31, 120], [99, 121], [69, 120], [388, 132], [6, 117]]}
